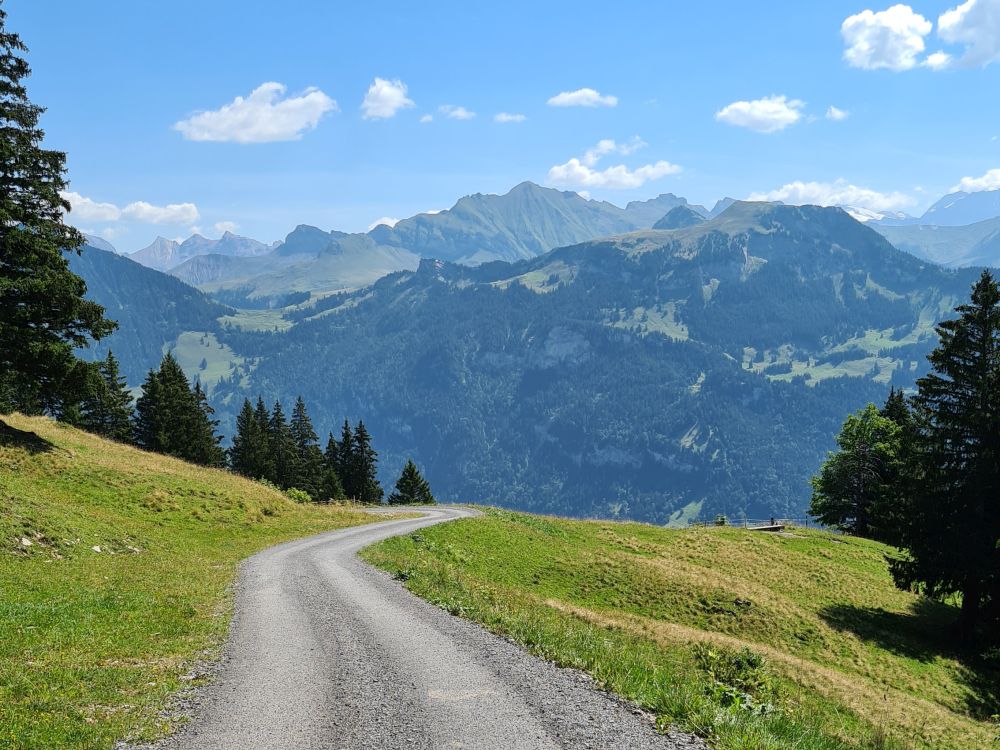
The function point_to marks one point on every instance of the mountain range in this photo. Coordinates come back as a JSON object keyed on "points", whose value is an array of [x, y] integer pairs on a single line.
{"points": [[654, 374]]}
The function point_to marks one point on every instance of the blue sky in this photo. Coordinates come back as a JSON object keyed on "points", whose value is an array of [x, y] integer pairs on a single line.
{"points": [[682, 98]]}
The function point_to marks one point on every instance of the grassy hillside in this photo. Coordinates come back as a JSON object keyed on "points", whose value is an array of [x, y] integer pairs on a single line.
{"points": [[115, 567], [840, 658]]}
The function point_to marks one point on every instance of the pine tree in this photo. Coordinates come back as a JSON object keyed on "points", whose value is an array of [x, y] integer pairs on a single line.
{"points": [[282, 447], [411, 488], [953, 530], [364, 468], [309, 463], [107, 405], [43, 313], [345, 462], [330, 486]]}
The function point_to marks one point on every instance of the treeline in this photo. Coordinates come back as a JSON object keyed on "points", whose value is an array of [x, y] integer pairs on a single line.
{"points": [[922, 473], [172, 416]]}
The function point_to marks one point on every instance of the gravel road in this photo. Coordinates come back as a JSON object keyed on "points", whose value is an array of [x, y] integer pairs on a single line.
{"points": [[327, 653]]}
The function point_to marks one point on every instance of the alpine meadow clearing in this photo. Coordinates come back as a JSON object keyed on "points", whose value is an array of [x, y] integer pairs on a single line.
{"points": [[751, 639]]}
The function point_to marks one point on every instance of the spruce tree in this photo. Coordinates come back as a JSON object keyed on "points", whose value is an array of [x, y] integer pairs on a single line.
{"points": [[174, 418], [309, 457], [411, 488], [345, 462], [43, 313], [107, 405], [249, 453], [282, 449], [364, 468], [953, 530]]}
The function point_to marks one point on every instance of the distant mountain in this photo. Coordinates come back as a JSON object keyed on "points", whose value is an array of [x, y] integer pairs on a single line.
{"points": [[865, 215], [678, 218], [160, 254], [164, 254], [524, 223], [643, 214], [703, 369], [720, 205], [972, 245], [309, 260], [957, 209], [100, 243], [152, 309]]}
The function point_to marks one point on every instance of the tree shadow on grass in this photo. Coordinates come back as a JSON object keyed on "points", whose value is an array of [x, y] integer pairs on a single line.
{"points": [[924, 633], [11, 437]]}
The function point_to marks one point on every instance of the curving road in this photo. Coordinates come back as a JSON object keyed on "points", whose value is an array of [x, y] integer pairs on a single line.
{"points": [[327, 653]]}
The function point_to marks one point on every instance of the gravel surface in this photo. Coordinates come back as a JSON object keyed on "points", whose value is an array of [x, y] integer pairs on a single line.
{"points": [[328, 653]]}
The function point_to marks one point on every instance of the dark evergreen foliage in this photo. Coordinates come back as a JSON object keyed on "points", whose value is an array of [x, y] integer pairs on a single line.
{"points": [[309, 458], [107, 408], [43, 313], [284, 456], [411, 488], [953, 525], [364, 469], [249, 454], [174, 418]]}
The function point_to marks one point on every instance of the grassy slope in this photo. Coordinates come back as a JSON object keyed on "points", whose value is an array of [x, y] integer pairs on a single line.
{"points": [[855, 662], [93, 644]]}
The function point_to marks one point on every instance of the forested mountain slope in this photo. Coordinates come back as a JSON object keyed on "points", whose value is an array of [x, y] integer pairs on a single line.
{"points": [[638, 375], [151, 308]]}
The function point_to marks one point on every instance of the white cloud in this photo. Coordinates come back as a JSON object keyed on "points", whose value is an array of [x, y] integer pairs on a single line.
{"points": [[892, 39], [226, 226], [938, 61], [608, 146], [173, 213], [585, 97], [384, 99], [110, 233], [989, 181], [838, 193], [85, 209], [975, 24], [837, 114], [427, 118], [580, 172], [767, 115], [262, 117], [508, 117], [456, 112], [388, 221]]}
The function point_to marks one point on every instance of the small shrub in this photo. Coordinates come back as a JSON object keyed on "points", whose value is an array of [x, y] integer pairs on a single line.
{"points": [[738, 679], [721, 520], [299, 496]]}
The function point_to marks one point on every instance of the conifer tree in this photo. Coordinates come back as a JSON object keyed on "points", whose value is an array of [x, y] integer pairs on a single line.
{"points": [[173, 418], [953, 528], [345, 462], [411, 488], [364, 468], [43, 313], [249, 453], [282, 449], [107, 405], [309, 457], [204, 446]]}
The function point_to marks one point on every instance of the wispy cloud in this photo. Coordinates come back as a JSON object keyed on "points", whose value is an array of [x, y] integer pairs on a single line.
{"points": [[455, 112], [585, 97], [262, 117], [836, 114], [837, 193], [581, 172], [508, 117]]}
